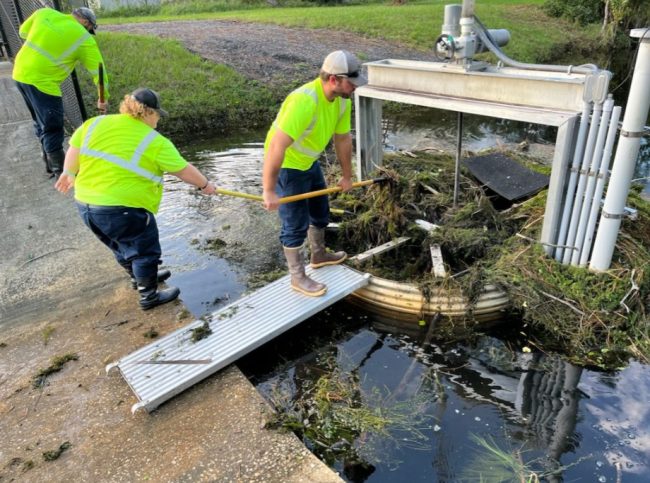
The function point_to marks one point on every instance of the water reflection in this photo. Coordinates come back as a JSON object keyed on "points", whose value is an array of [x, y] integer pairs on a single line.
{"points": [[536, 414], [418, 129]]}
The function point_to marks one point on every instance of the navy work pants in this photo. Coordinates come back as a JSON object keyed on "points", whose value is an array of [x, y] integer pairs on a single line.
{"points": [[47, 114], [298, 215], [130, 233]]}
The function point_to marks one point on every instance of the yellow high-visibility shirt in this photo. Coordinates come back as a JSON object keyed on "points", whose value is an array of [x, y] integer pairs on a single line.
{"points": [[54, 43], [122, 161], [310, 120]]}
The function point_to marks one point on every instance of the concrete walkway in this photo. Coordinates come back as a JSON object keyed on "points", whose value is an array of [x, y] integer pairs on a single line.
{"points": [[62, 293]]}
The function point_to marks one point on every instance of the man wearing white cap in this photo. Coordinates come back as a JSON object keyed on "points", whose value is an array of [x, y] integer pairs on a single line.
{"points": [[54, 44], [309, 118]]}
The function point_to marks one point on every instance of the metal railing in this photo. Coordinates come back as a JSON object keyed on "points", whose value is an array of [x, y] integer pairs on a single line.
{"points": [[12, 14]]}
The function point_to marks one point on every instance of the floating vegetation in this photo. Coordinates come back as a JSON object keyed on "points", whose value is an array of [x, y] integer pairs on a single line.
{"points": [[597, 318], [201, 332], [214, 244], [56, 364], [494, 464], [56, 453], [151, 333], [341, 420]]}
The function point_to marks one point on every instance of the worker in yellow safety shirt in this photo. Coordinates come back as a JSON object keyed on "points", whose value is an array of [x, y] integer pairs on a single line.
{"points": [[116, 165], [54, 44], [308, 119]]}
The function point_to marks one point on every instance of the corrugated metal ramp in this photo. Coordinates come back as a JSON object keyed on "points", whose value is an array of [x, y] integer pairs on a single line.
{"points": [[170, 365]]}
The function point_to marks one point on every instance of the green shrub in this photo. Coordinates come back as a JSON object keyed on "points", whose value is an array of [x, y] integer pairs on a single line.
{"points": [[582, 11]]}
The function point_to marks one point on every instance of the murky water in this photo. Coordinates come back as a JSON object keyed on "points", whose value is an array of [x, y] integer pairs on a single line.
{"points": [[535, 414], [466, 402]]}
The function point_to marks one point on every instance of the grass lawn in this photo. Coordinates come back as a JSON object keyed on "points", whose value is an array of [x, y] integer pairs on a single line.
{"points": [[199, 95], [535, 36]]}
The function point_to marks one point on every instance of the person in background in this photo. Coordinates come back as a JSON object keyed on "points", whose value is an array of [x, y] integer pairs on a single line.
{"points": [[115, 164], [308, 119], [54, 44]]}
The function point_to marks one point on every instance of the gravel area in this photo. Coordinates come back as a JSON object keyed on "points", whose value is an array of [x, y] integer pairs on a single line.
{"points": [[269, 53]]}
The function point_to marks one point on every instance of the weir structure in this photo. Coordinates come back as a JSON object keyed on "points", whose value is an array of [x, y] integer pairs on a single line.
{"points": [[574, 99]]}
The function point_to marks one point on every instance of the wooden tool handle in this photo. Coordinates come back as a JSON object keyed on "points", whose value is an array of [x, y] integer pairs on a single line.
{"points": [[326, 191], [302, 196]]}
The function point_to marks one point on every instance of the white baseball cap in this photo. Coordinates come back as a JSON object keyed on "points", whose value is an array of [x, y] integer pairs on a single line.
{"points": [[344, 64]]}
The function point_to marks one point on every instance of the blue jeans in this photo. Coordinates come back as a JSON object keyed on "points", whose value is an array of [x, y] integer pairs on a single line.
{"points": [[298, 215], [130, 233], [47, 114]]}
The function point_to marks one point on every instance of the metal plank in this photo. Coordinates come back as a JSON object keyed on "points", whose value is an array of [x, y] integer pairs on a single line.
{"points": [[163, 369]]}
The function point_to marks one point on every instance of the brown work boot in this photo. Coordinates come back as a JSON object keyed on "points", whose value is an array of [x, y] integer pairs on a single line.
{"points": [[299, 280], [319, 254]]}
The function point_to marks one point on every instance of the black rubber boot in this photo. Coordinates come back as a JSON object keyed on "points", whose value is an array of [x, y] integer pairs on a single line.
{"points": [[162, 276], [55, 162], [47, 164], [151, 297]]}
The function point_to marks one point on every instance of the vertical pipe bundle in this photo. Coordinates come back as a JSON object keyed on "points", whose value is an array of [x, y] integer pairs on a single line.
{"points": [[573, 179], [600, 186], [582, 181], [591, 180]]}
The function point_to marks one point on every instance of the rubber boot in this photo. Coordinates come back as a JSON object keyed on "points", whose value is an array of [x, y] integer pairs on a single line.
{"points": [[299, 280], [55, 162], [47, 164], [319, 254], [151, 297], [162, 276]]}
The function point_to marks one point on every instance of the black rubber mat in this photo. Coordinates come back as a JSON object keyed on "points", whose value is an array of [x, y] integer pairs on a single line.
{"points": [[506, 176]]}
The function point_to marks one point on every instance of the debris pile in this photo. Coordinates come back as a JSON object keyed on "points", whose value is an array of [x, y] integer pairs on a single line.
{"points": [[599, 319]]}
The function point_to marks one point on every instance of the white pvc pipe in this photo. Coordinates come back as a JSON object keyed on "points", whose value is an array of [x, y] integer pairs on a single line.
{"points": [[636, 114], [573, 179], [600, 186], [591, 179], [468, 8], [582, 181]]}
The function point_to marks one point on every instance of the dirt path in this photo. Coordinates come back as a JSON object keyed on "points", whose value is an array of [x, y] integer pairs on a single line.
{"points": [[269, 53]]}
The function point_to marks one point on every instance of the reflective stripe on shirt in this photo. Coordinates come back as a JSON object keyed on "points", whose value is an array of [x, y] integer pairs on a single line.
{"points": [[132, 164], [60, 60], [297, 144]]}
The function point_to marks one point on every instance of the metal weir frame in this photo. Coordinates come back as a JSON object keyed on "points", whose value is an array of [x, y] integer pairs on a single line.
{"points": [[547, 98]]}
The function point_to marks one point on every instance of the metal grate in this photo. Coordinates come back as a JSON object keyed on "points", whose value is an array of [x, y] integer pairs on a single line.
{"points": [[170, 365], [12, 14]]}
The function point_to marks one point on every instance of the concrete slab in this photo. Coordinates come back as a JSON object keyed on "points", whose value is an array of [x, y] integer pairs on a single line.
{"points": [[62, 293]]}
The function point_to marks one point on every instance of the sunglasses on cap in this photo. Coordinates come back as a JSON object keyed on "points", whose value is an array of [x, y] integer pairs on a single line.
{"points": [[351, 75]]}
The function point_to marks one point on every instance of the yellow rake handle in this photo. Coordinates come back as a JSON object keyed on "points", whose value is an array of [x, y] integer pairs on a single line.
{"points": [[302, 196]]}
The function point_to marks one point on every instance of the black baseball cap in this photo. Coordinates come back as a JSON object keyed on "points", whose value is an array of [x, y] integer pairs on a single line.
{"points": [[149, 98], [88, 14]]}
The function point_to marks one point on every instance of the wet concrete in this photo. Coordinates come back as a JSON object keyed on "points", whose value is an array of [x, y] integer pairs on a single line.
{"points": [[60, 293]]}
